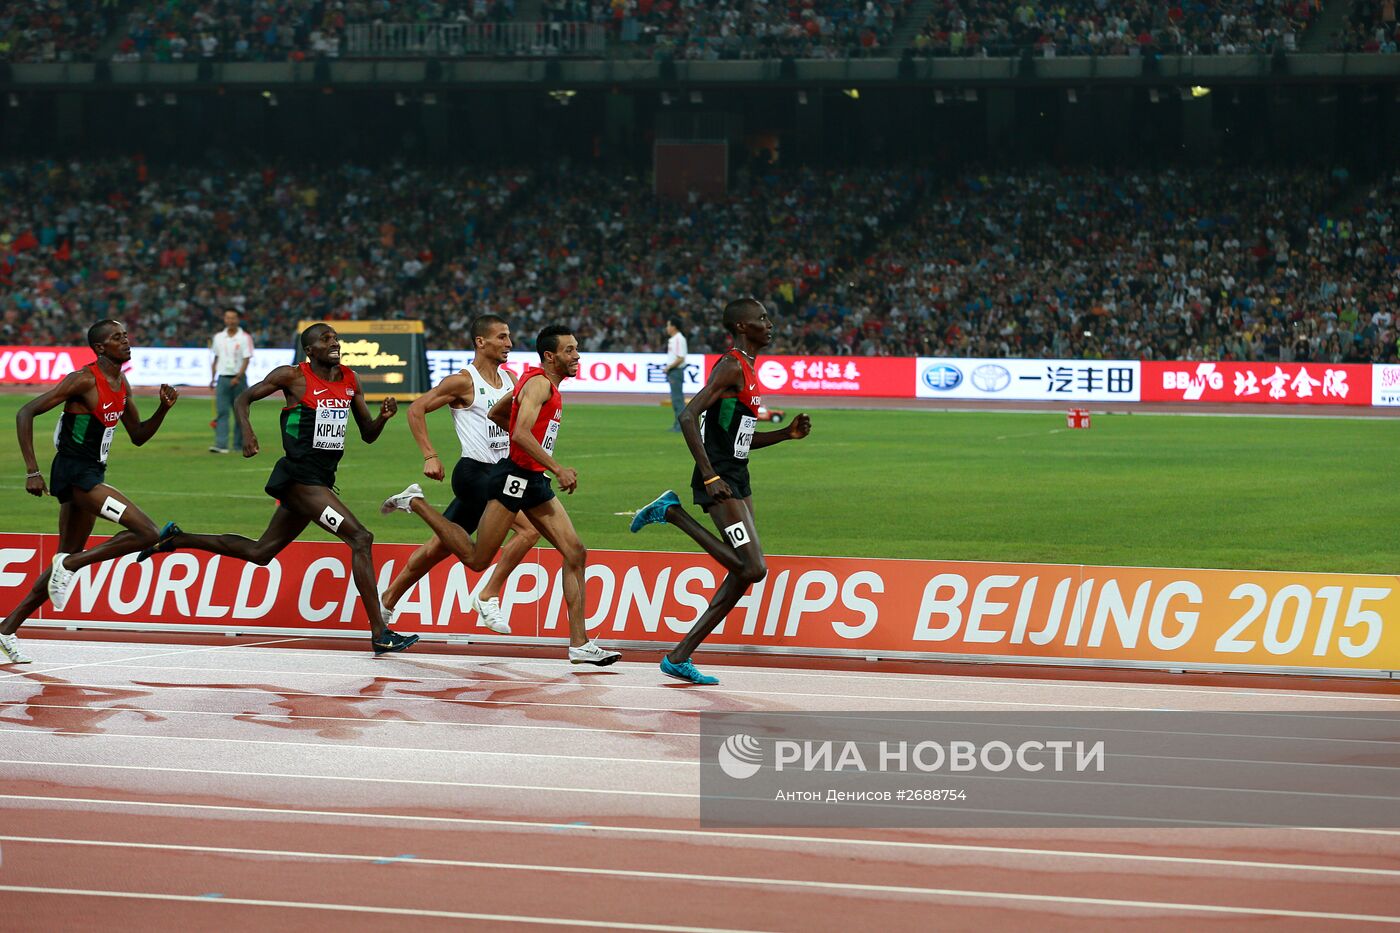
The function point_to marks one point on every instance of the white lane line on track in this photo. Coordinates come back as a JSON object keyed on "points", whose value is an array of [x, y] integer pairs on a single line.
{"points": [[1140, 823], [146, 657], [860, 887], [689, 835], [359, 909], [356, 779], [823, 675], [1206, 863], [742, 670], [627, 792], [951, 893], [277, 716]]}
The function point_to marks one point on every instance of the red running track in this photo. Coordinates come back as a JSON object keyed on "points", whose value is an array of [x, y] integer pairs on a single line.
{"points": [[162, 782]]}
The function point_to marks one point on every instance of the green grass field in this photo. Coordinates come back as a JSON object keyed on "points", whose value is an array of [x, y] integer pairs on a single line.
{"points": [[1250, 493]]}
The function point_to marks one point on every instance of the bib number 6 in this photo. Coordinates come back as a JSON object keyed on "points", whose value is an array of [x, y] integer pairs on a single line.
{"points": [[515, 486]]}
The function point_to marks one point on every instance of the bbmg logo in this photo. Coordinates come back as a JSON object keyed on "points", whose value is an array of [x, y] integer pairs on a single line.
{"points": [[740, 756]]}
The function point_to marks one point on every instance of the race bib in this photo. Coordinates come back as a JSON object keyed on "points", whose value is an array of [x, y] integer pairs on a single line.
{"points": [[550, 433], [330, 428], [497, 441], [107, 436], [743, 440]]}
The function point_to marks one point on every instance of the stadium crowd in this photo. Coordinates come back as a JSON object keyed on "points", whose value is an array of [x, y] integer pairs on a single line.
{"points": [[280, 30], [1153, 264], [1098, 27], [38, 31], [1371, 27]]}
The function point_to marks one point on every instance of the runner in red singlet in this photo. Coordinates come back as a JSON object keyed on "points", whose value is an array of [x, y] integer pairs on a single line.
{"points": [[95, 400], [532, 415], [321, 398]]}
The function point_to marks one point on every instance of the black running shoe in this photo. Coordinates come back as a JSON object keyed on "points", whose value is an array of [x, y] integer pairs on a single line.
{"points": [[393, 641], [162, 545]]}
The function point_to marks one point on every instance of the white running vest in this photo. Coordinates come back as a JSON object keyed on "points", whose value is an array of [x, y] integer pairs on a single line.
{"points": [[482, 439]]}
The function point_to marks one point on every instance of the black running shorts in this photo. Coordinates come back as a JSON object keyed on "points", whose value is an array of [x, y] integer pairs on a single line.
{"points": [[472, 488], [69, 473], [517, 488]]}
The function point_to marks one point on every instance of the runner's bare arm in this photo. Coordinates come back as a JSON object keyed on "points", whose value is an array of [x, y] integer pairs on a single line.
{"points": [[76, 385], [500, 412], [142, 431], [282, 379], [456, 389], [799, 428], [727, 376], [371, 428], [531, 399]]}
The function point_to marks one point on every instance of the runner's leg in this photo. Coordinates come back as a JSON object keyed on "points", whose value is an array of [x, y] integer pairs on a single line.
{"points": [[734, 518], [74, 529]]}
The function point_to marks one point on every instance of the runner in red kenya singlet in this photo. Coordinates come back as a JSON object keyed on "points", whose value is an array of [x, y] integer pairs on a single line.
{"points": [[95, 400], [532, 415], [321, 399]]}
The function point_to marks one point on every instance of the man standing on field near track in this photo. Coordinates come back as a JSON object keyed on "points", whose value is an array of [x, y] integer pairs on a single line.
{"points": [[470, 395], [95, 400], [718, 425]]}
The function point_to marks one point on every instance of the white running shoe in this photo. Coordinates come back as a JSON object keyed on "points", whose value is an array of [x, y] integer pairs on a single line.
{"points": [[590, 653], [60, 582], [403, 502], [9, 648], [489, 611]]}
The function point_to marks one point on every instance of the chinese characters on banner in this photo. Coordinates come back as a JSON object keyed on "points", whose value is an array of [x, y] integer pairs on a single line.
{"points": [[1258, 383], [876, 376], [1029, 380]]}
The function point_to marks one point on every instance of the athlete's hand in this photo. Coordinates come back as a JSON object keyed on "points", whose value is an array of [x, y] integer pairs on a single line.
{"points": [[719, 491], [34, 485], [432, 468], [568, 479], [250, 444], [388, 408], [801, 426], [169, 395]]}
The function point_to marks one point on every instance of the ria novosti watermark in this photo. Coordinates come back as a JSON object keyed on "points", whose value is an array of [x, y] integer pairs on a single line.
{"points": [[1016, 769]]}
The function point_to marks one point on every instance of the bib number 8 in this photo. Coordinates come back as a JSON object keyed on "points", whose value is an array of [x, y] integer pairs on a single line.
{"points": [[515, 486]]}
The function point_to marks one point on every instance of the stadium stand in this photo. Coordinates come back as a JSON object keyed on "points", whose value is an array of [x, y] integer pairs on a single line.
{"points": [[1035, 263], [1372, 27], [36, 31]]}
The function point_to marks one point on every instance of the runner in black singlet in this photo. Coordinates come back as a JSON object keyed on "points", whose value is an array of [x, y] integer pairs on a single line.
{"points": [[718, 425], [95, 400], [321, 398]]}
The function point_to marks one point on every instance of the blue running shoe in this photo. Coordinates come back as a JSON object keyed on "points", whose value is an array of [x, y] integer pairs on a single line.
{"points": [[686, 671], [654, 513], [162, 544]]}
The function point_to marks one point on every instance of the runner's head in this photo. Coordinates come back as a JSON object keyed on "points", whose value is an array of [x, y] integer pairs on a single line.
{"points": [[491, 338], [558, 350], [108, 338], [321, 344], [747, 319]]}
